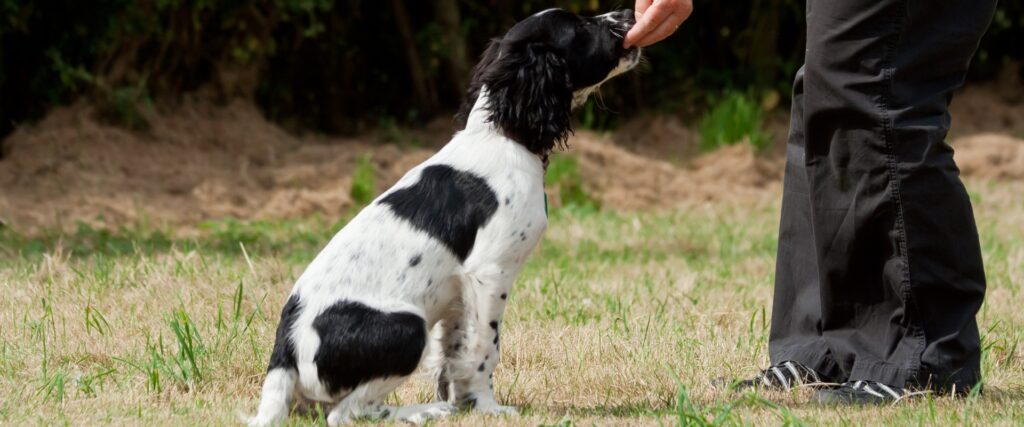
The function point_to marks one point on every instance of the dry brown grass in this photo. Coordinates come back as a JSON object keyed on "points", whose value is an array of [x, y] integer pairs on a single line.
{"points": [[615, 316]]}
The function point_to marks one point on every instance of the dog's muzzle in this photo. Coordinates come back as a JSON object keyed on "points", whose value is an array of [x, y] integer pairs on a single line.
{"points": [[624, 20]]}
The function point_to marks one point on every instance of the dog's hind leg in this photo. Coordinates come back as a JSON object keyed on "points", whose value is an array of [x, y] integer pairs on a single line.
{"points": [[366, 402], [276, 399]]}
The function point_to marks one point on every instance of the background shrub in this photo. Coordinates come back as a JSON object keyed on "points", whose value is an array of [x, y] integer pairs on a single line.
{"points": [[737, 117], [343, 67]]}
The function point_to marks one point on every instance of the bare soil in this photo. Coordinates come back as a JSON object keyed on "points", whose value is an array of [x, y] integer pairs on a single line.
{"points": [[197, 162], [201, 161], [621, 179]]}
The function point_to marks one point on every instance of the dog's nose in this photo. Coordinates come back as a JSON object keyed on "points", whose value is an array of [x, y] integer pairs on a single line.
{"points": [[625, 16]]}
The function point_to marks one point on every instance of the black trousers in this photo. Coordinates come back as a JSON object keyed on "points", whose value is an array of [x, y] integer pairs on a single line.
{"points": [[879, 272]]}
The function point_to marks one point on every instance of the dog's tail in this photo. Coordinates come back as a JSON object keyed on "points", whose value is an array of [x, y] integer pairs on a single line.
{"points": [[277, 396]]}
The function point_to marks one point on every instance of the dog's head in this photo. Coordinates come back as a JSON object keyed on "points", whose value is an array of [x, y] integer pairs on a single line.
{"points": [[543, 67]]}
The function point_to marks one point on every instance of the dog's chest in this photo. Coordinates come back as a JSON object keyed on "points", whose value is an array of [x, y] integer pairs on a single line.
{"points": [[518, 223]]}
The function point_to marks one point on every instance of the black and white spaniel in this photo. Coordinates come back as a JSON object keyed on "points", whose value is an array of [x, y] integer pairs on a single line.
{"points": [[440, 250]]}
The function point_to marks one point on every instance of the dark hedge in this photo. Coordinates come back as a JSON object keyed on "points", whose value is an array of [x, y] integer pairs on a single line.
{"points": [[348, 66]]}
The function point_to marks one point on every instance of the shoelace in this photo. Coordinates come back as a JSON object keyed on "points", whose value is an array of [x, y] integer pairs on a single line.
{"points": [[880, 390], [788, 374]]}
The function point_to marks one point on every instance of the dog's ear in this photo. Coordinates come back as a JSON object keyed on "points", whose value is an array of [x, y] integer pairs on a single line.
{"points": [[476, 82], [529, 95]]}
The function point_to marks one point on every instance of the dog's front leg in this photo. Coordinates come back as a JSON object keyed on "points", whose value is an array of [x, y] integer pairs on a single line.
{"points": [[485, 295], [452, 346]]}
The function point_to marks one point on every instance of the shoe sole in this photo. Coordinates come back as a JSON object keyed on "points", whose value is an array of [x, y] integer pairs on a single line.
{"points": [[839, 398]]}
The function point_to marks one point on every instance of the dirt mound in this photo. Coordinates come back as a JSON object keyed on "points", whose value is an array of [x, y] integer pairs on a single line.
{"points": [[658, 136], [201, 161], [198, 162], [619, 178], [994, 107], [990, 156], [668, 137]]}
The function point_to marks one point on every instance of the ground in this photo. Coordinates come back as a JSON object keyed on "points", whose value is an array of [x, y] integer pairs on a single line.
{"points": [[619, 318], [158, 314]]}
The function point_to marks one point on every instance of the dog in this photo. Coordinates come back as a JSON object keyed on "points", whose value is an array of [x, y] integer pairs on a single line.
{"points": [[441, 249]]}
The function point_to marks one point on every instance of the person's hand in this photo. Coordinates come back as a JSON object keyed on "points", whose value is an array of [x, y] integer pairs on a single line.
{"points": [[655, 20]]}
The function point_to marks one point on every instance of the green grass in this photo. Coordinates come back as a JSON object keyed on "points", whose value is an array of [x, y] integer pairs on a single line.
{"points": [[618, 319], [362, 182], [563, 177], [735, 118]]}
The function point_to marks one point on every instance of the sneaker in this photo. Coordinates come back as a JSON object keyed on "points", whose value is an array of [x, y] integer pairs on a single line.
{"points": [[861, 393], [781, 377]]}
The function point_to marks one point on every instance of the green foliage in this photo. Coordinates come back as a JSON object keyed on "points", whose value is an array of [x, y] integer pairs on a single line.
{"points": [[95, 321], [588, 117], [690, 414], [187, 365], [660, 291], [337, 66], [735, 118], [190, 346], [595, 115], [1001, 44], [123, 51], [362, 182], [86, 239], [124, 106], [293, 239], [564, 174]]}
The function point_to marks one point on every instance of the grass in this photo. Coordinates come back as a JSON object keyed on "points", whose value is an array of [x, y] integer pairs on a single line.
{"points": [[618, 319], [563, 177], [362, 182], [736, 117]]}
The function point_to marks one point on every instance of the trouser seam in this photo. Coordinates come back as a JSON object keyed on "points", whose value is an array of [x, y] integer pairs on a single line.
{"points": [[888, 135]]}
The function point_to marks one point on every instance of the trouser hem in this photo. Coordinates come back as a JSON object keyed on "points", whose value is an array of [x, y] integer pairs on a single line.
{"points": [[817, 360], [881, 372]]}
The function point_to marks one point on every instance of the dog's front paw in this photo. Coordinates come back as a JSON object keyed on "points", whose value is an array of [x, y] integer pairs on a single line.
{"points": [[420, 414], [337, 419], [497, 409]]}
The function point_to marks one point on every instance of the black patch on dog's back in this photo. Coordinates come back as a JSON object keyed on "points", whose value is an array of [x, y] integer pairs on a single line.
{"points": [[360, 343], [448, 204], [283, 355]]}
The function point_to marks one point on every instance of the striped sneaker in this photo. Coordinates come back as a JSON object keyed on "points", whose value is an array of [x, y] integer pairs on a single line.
{"points": [[862, 393], [783, 377]]}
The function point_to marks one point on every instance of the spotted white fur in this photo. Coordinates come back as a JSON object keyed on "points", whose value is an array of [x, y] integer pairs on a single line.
{"points": [[516, 176], [368, 261]]}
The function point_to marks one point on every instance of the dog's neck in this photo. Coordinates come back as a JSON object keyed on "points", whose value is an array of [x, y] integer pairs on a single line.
{"points": [[478, 120], [478, 115]]}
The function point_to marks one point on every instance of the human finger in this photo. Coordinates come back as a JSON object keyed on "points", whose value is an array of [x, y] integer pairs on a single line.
{"points": [[647, 23], [661, 32]]}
